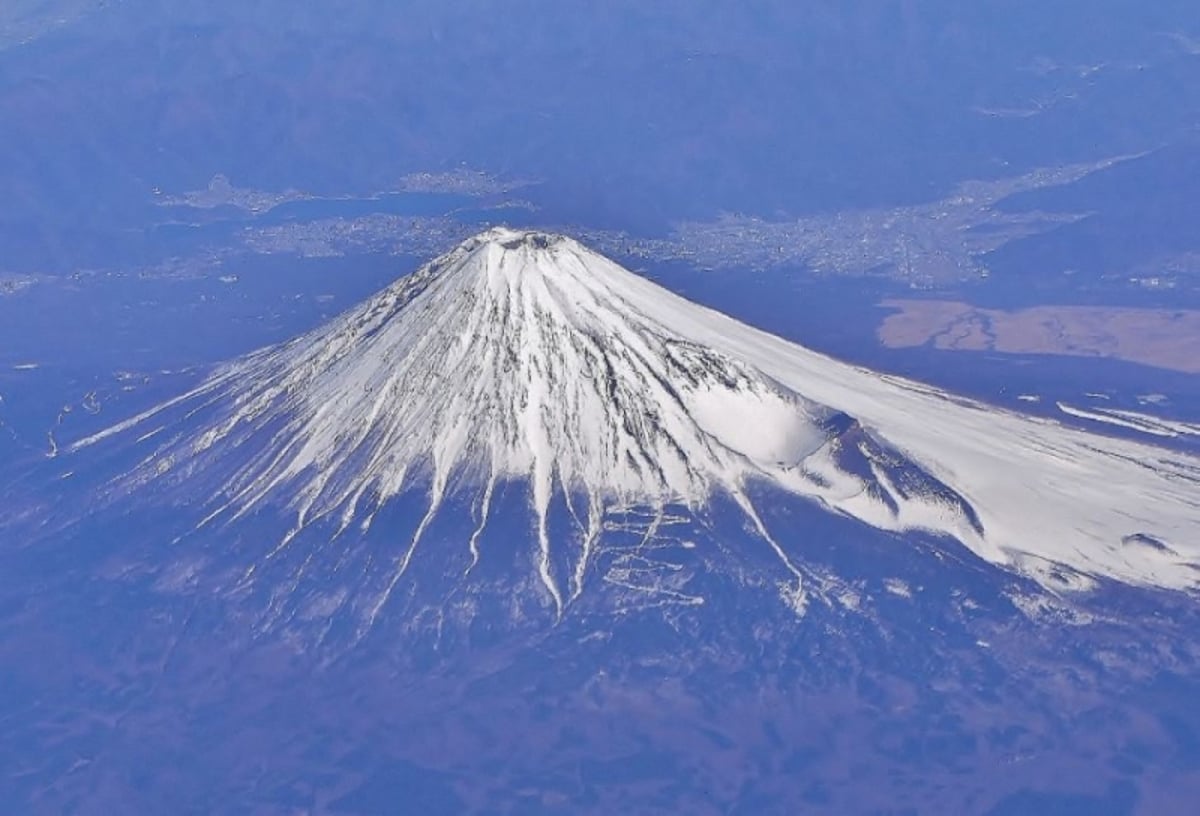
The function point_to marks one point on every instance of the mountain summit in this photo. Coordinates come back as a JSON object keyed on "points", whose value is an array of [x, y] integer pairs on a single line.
{"points": [[525, 357]]}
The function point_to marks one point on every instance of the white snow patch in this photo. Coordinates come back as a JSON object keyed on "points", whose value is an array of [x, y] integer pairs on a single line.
{"points": [[1045, 608], [1146, 423]]}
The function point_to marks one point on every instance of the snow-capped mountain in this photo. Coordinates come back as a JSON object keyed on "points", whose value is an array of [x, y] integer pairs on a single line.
{"points": [[524, 358]]}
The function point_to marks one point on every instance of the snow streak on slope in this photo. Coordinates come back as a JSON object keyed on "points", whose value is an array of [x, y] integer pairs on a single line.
{"points": [[1134, 420], [527, 356]]}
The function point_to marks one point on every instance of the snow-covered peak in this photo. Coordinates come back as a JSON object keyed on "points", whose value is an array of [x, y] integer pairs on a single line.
{"points": [[526, 356], [522, 353], [508, 238], [516, 355]]}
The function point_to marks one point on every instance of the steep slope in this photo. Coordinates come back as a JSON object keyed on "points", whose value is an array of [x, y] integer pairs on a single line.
{"points": [[525, 356]]}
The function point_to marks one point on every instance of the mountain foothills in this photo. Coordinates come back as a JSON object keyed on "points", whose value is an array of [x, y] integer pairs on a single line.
{"points": [[526, 400]]}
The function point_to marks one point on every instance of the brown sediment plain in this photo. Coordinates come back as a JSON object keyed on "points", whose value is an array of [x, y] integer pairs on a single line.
{"points": [[1164, 338]]}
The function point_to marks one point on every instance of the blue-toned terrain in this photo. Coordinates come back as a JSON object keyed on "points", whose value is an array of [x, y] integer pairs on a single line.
{"points": [[242, 603]]}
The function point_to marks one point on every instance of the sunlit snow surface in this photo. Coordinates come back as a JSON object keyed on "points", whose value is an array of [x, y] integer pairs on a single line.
{"points": [[524, 355]]}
